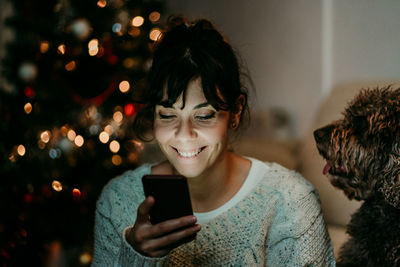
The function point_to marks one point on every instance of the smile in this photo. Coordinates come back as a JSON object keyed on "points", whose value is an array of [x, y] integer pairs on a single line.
{"points": [[190, 154]]}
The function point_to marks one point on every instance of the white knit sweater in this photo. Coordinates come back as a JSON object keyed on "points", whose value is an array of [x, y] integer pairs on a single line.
{"points": [[279, 223]]}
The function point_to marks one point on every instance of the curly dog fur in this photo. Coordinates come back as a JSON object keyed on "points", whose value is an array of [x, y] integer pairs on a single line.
{"points": [[362, 151]]}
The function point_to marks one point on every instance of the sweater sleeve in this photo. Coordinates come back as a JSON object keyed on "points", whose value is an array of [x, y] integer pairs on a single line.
{"points": [[111, 221], [303, 238]]}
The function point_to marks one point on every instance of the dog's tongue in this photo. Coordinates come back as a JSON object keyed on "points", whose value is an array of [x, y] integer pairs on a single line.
{"points": [[326, 169]]}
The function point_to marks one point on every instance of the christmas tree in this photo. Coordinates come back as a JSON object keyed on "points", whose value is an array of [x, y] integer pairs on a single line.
{"points": [[71, 77]]}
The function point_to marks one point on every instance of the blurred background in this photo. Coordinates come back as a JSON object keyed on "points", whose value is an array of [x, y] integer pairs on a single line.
{"points": [[70, 72]]}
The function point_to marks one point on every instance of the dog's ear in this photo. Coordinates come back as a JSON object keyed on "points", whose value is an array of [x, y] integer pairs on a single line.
{"points": [[391, 191], [375, 113], [390, 187]]}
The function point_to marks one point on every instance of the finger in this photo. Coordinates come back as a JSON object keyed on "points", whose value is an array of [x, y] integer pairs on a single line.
{"points": [[171, 226], [165, 250], [177, 238], [144, 209]]}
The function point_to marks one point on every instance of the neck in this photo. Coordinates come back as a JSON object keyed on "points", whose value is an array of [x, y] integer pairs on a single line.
{"points": [[219, 183]]}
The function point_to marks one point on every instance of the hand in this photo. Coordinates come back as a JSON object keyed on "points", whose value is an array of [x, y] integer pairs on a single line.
{"points": [[159, 239]]}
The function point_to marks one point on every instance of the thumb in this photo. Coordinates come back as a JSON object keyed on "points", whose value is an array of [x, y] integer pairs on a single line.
{"points": [[144, 208]]}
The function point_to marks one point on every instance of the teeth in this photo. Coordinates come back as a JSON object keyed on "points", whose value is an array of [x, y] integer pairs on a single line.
{"points": [[189, 154]]}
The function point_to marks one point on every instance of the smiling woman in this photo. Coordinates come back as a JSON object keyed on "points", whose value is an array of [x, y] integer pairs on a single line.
{"points": [[246, 212]]}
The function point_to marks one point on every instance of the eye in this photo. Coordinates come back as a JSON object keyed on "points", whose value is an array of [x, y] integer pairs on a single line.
{"points": [[166, 116], [205, 117]]}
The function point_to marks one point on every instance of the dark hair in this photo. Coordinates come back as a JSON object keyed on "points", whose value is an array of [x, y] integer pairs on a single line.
{"points": [[184, 52]]}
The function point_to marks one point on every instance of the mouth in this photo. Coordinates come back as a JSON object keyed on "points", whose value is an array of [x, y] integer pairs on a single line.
{"points": [[335, 170], [189, 154]]}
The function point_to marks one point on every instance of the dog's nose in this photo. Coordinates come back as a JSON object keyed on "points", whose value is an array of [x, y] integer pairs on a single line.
{"points": [[321, 134]]}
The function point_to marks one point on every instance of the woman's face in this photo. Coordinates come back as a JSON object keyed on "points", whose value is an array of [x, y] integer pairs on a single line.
{"points": [[192, 138]]}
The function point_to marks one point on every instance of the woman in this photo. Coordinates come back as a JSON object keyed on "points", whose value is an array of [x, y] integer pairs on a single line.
{"points": [[246, 212]]}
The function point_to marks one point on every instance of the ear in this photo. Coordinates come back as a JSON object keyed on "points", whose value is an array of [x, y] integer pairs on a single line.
{"points": [[391, 191], [237, 112]]}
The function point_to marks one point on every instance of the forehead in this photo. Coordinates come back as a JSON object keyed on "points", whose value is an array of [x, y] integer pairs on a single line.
{"points": [[194, 95]]}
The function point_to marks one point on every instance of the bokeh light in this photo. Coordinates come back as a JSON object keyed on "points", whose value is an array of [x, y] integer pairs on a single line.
{"points": [[70, 66], [104, 137], [118, 116], [101, 3], [21, 150], [71, 135], [129, 109], [117, 27], [134, 32], [116, 160], [124, 86], [45, 136], [114, 146], [137, 21], [93, 47], [155, 33], [28, 108], [85, 258], [109, 129], [76, 193], [154, 16], [61, 49], [57, 186], [79, 141], [44, 47]]}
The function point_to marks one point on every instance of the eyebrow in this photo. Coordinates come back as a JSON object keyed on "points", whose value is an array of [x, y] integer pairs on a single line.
{"points": [[168, 104]]}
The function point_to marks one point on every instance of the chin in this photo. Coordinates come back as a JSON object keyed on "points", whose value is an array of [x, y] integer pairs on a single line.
{"points": [[189, 171]]}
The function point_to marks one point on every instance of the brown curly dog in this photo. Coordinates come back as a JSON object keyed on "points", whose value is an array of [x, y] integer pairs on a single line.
{"points": [[362, 151]]}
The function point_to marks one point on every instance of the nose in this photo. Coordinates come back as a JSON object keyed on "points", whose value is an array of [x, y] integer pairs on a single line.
{"points": [[185, 130], [323, 134]]}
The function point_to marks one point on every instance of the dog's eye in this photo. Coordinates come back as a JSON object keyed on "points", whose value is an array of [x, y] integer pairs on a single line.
{"points": [[361, 125]]}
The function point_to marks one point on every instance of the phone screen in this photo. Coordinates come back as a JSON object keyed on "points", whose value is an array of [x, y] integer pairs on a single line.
{"points": [[171, 194]]}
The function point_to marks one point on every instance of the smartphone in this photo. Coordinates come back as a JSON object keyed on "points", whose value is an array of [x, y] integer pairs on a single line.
{"points": [[171, 194]]}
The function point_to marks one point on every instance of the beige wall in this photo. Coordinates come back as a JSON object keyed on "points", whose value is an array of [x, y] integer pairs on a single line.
{"points": [[297, 51]]}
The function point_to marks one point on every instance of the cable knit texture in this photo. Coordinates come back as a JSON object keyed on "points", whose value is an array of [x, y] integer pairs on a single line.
{"points": [[279, 223]]}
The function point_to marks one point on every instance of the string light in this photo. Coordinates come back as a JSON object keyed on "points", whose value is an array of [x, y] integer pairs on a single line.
{"points": [[116, 160], [93, 46], [137, 21], [79, 141], [104, 137], [154, 16], [45, 136], [21, 150], [57, 186], [124, 86], [44, 46], [28, 108], [114, 146], [101, 3], [155, 33]]}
